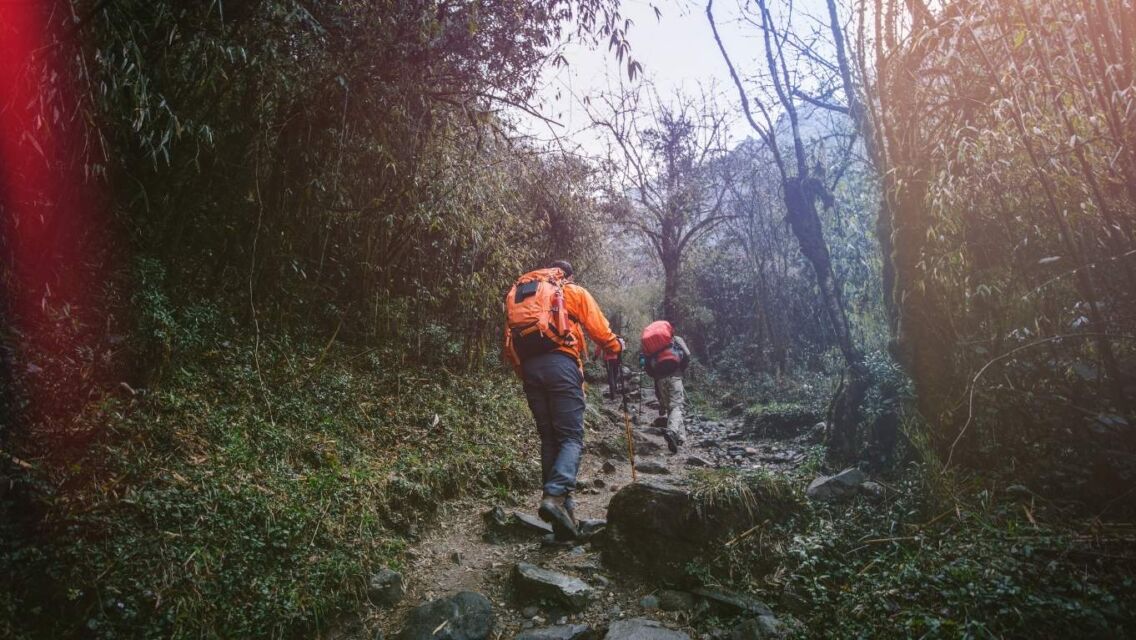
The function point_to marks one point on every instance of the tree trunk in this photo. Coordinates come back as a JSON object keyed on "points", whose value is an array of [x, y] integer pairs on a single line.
{"points": [[800, 206], [844, 412], [670, 288], [923, 338]]}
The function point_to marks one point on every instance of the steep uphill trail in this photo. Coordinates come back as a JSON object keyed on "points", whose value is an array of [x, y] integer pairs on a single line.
{"points": [[465, 551]]}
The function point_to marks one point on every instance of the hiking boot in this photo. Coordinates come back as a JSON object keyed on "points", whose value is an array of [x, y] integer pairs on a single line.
{"points": [[672, 441], [553, 512]]}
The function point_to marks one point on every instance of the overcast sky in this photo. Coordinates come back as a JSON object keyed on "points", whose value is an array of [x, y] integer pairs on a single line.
{"points": [[677, 52]]}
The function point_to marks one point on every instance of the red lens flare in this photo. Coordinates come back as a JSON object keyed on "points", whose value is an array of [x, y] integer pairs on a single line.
{"points": [[50, 270]]}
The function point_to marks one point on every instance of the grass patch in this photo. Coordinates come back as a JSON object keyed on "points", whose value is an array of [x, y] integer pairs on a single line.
{"points": [[779, 419], [230, 503], [753, 491]]}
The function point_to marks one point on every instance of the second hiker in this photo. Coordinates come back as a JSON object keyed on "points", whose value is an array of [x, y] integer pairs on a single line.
{"points": [[546, 317], [665, 357]]}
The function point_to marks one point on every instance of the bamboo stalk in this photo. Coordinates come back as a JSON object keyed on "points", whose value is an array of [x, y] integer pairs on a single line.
{"points": [[630, 443]]}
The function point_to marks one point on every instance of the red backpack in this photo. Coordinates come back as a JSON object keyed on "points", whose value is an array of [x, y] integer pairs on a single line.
{"points": [[663, 356], [535, 314]]}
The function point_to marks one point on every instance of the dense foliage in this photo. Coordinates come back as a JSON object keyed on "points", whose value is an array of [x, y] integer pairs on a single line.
{"points": [[293, 164], [983, 562], [1004, 132], [237, 500]]}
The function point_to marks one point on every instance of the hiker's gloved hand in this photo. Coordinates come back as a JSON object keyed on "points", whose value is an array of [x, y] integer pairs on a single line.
{"points": [[622, 343]]}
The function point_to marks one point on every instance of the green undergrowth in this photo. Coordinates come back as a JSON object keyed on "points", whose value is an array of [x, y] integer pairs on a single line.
{"points": [[780, 418], [747, 395], [957, 558], [243, 500]]}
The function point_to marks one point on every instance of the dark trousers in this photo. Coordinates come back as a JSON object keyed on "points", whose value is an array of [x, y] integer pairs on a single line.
{"points": [[554, 387]]}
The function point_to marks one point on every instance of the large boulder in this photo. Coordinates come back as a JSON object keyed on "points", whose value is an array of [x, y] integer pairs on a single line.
{"points": [[534, 583], [654, 528], [843, 484], [463, 616], [642, 629]]}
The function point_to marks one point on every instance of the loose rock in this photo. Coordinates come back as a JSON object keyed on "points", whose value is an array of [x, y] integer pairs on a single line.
{"points": [[649, 602], [646, 444], [695, 461], [515, 524], [759, 628], [816, 433], [462, 616], [608, 467], [872, 490], [642, 629], [838, 486], [534, 583], [559, 632], [591, 527], [652, 467], [529, 523], [385, 587], [733, 603]]}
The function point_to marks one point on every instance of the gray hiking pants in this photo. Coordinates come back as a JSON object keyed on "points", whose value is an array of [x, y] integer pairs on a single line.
{"points": [[555, 391], [672, 397]]}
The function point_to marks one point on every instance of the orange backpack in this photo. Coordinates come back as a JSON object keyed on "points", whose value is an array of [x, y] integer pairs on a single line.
{"points": [[535, 314]]}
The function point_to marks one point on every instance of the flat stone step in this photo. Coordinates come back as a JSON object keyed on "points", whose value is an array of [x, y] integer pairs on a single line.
{"points": [[536, 583], [642, 629]]}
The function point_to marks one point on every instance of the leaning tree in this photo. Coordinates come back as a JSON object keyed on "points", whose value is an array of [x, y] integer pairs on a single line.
{"points": [[781, 86]]}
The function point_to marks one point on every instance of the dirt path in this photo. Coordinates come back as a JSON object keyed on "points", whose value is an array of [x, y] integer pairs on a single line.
{"points": [[455, 555]]}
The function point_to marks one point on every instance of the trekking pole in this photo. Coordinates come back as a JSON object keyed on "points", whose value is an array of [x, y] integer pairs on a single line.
{"points": [[627, 420]]}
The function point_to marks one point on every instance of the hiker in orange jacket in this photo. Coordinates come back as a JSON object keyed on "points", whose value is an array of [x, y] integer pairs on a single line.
{"points": [[552, 371]]}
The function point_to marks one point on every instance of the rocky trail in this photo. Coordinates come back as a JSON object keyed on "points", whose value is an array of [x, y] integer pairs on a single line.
{"points": [[491, 570]]}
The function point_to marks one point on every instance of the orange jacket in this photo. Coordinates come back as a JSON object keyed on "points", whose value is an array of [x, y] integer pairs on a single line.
{"points": [[586, 316]]}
